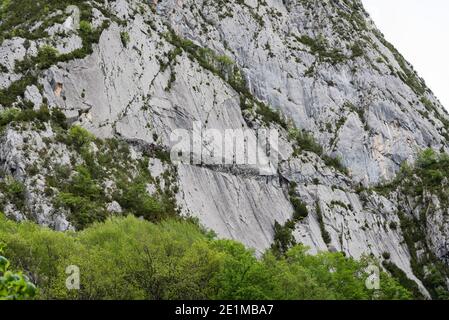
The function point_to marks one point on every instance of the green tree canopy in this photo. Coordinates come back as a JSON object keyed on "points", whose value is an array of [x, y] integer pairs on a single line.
{"points": [[129, 258], [13, 286]]}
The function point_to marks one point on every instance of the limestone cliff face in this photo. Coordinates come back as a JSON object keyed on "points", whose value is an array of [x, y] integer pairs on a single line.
{"points": [[322, 64]]}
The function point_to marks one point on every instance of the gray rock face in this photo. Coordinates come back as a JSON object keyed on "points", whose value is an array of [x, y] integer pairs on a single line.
{"points": [[322, 64], [10, 51], [286, 73], [33, 95], [245, 210], [20, 150], [114, 207]]}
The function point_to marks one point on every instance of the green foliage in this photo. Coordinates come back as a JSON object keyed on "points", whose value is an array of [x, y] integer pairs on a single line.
{"points": [[82, 197], [426, 266], [426, 177], [89, 37], [428, 104], [357, 50], [283, 238], [335, 163], [13, 191], [283, 234], [269, 116], [13, 286], [300, 208], [59, 119], [27, 115], [85, 27], [427, 174], [406, 74], [3, 68], [225, 61], [397, 273], [319, 47], [79, 187], [79, 137], [16, 89], [304, 141], [127, 258], [324, 233], [221, 66], [136, 200], [124, 36], [45, 58], [386, 255], [355, 16], [14, 115], [162, 155], [18, 17], [431, 168]]}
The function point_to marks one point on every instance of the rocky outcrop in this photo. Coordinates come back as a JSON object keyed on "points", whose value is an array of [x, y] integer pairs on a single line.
{"points": [[322, 64], [334, 75]]}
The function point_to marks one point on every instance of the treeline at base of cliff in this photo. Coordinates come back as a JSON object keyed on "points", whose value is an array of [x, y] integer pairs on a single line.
{"points": [[129, 258]]}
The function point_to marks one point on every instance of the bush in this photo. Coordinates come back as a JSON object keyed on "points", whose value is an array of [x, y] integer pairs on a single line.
{"points": [[324, 233], [30, 115], [46, 57], [85, 27], [83, 211], [270, 116], [13, 286], [124, 36], [136, 200], [16, 89], [79, 137], [304, 141], [13, 192], [335, 163], [319, 47], [82, 196], [59, 118], [393, 225], [357, 50], [283, 238], [17, 24], [425, 177], [429, 172], [402, 278], [3, 69], [300, 208]]}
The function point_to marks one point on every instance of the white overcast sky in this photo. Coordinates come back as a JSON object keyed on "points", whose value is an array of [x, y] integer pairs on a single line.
{"points": [[419, 29]]}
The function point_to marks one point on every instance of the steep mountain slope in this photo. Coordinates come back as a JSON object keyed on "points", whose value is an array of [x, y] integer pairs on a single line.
{"points": [[133, 71]]}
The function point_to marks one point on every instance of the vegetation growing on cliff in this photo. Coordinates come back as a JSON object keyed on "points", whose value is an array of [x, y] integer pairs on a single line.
{"points": [[424, 182], [428, 175], [99, 172], [19, 18]]}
